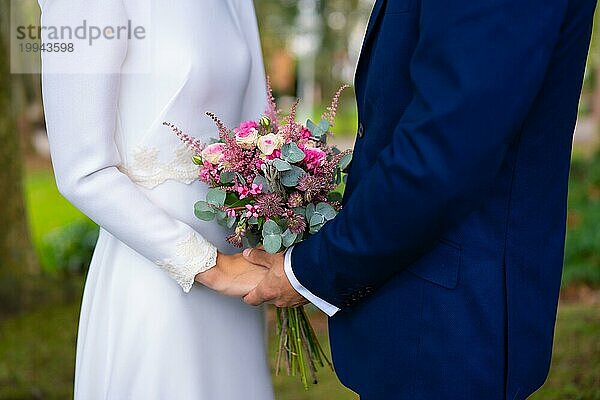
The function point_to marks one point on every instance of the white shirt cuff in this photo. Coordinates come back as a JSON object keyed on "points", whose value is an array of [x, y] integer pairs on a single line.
{"points": [[321, 304]]}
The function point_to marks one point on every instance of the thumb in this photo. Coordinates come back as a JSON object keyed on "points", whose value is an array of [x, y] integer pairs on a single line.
{"points": [[258, 257]]}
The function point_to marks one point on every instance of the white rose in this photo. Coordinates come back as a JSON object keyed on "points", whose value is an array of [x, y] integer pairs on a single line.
{"points": [[213, 153], [269, 143], [247, 140]]}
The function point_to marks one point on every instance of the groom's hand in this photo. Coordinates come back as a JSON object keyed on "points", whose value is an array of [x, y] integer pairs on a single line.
{"points": [[275, 288]]}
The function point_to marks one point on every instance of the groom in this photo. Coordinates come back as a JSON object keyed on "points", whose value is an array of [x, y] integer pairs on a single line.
{"points": [[442, 272]]}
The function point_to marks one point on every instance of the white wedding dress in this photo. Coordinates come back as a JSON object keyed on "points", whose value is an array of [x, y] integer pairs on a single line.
{"points": [[146, 330]]}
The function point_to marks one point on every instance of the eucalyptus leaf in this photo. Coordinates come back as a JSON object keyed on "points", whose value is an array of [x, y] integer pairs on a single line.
{"points": [[272, 243], [253, 221], [300, 211], [221, 217], [317, 219], [326, 210], [281, 165], [270, 227], [324, 125], [345, 161], [315, 228], [216, 197], [316, 130], [292, 177], [231, 222], [226, 177], [204, 211], [310, 210], [292, 153], [288, 238]]}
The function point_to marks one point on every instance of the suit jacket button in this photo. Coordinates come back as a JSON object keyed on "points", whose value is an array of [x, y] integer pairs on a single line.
{"points": [[361, 130]]}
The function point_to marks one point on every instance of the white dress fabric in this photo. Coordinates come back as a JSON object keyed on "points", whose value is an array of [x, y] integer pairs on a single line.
{"points": [[146, 330]]}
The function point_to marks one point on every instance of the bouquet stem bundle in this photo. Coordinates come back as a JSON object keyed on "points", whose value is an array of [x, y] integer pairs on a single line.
{"points": [[298, 345]]}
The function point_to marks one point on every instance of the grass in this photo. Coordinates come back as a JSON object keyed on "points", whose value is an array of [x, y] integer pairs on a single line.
{"points": [[37, 353], [582, 254], [37, 357], [47, 210], [575, 370]]}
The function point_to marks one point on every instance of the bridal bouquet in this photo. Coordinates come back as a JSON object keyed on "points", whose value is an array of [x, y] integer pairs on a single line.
{"points": [[274, 182]]}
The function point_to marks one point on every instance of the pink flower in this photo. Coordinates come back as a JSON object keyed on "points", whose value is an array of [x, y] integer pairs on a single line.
{"points": [[256, 189], [252, 211], [247, 134], [276, 154], [213, 153], [305, 133], [314, 157], [245, 129], [230, 212], [258, 163], [243, 191], [209, 173]]}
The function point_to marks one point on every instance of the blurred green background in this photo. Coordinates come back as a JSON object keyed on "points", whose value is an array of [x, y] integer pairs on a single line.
{"points": [[310, 47]]}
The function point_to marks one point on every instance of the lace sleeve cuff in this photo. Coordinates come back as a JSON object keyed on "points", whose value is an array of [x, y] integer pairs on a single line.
{"points": [[193, 256]]}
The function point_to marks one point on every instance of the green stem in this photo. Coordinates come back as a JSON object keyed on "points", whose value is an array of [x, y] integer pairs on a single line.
{"points": [[313, 334], [298, 338]]}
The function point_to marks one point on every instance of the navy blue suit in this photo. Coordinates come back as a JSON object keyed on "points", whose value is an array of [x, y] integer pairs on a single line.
{"points": [[446, 259]]}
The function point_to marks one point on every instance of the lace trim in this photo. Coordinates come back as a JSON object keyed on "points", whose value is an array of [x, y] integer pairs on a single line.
{"points": [[195, 255], [146, 170]]}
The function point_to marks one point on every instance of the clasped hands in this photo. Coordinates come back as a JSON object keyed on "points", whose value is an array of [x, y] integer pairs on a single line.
{"points": [[255, 275]]}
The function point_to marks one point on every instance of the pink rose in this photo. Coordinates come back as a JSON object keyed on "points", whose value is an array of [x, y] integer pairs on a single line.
{"points": [[314, 157], [246, 134], [245, 128], [213, 153]]}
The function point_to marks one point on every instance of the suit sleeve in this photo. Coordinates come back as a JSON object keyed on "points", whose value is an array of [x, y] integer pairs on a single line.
{"points": [[80, 91], [476, 71]]}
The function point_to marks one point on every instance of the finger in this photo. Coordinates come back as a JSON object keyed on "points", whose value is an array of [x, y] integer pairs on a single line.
{"points": [[258, 257], [253, 298]]}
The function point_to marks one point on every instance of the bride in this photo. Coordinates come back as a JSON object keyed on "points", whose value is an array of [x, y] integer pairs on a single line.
{"points": [[147, 330]]}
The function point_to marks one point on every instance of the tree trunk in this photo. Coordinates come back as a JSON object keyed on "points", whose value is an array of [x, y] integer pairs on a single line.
{"points": [[17, 258]]}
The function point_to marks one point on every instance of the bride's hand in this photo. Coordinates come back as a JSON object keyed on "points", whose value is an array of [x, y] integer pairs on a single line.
{"points": [[232, 276]]}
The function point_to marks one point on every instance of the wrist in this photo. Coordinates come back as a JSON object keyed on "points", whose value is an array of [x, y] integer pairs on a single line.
{"points": [[208, 277]]}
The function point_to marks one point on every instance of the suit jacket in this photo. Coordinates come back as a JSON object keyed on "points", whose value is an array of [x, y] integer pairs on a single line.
{"points": [[446, 259]]}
